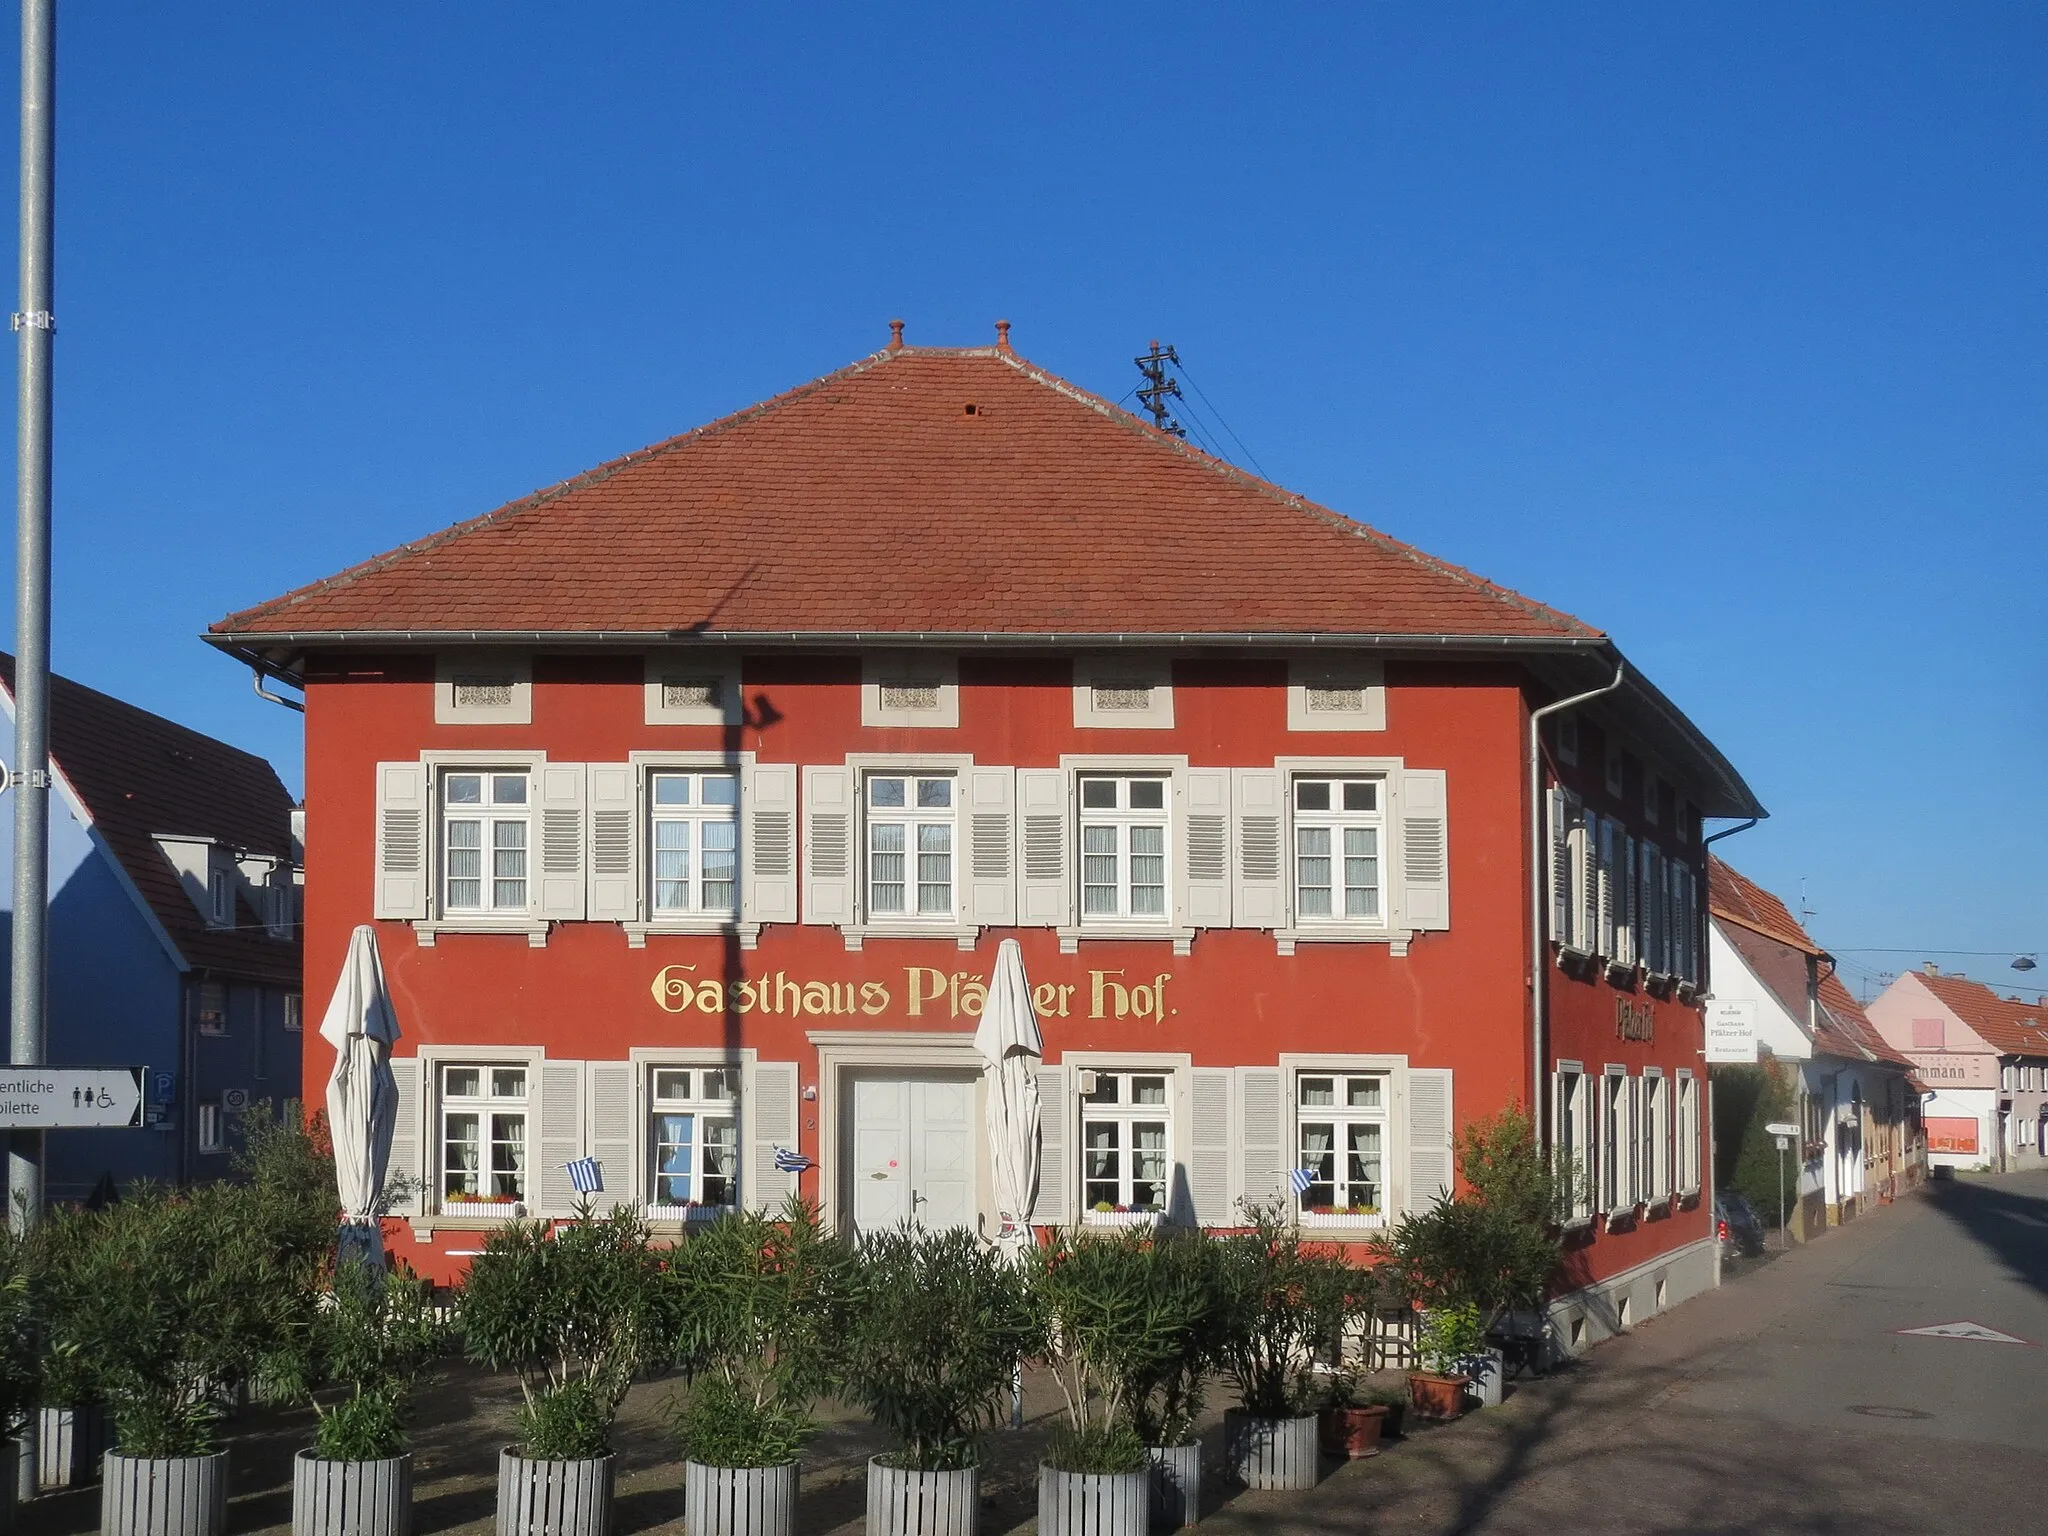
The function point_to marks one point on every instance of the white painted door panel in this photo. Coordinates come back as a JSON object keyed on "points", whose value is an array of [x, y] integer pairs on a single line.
{"points": [[914, 1143]]}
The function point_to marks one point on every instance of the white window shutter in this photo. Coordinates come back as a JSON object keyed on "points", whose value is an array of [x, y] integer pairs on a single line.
{"points": [[1209, 1143], [614, 823], [1051, 1207], [1646, 904], [1258, 896], [770, 1107], [768, 833], [1263, 1160], [1205, 848], [614, 1131], [991, 847], [828, 862], [1588, 921], [1425, 850], [1044, 836], [1627, 935], [1560, 868], [1610, 831], [561, 1137], [1431, 1140], [405, 1174], [560, 793], [404, 825]]}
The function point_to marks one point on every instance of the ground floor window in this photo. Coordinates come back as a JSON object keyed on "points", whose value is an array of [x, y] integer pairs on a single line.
{"points": [[694, 1136], [209, 1128], [1341, 1122], [1616, 1143], [1577, 1166], [1126, 1141], [1688, 1148], [1654, 1130], [483, 1133]]}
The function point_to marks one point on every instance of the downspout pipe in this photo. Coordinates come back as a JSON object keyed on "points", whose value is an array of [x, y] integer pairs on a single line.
{"points": [[1539, 999]]}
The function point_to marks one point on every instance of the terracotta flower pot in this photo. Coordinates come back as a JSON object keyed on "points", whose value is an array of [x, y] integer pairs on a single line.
{"points": [[1351, 1433], [1436, 1397]]}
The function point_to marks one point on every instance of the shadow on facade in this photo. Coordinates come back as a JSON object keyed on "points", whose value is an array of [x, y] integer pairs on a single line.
{"points": [[2010, 1221]]}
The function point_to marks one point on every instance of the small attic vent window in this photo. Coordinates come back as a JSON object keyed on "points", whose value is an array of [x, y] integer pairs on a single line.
{"points": [[1122, 694], [1335, 701], [483, 692], [690, 693], [971, 408], [911, 692]]}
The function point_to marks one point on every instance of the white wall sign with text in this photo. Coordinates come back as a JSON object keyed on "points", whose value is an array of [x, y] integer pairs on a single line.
{"points": [[54, 1097], [1731, 1030]]}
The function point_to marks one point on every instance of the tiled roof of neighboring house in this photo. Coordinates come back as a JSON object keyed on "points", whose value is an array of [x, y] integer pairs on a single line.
{"points": [[919, 491], [140, 775], [2007, 1026], [1852, 1022], [1739, 899]]}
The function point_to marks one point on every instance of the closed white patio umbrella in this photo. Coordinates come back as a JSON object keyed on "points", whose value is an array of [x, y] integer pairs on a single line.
{"points": [[1009, 1041], [362, 1093]]}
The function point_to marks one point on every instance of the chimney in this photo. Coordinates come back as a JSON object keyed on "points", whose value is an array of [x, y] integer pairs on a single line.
{"points": [[895, 335], [1930, 968]]}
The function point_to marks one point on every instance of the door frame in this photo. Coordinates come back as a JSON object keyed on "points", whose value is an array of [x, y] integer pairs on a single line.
{"points": [[841, 1051]]}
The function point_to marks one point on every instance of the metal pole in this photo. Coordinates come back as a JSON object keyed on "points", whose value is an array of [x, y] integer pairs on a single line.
{"points": [[30, 778], [1784, 1231]]}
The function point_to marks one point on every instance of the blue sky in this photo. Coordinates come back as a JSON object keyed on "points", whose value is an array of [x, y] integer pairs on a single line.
{"points": [[1720, 326]]}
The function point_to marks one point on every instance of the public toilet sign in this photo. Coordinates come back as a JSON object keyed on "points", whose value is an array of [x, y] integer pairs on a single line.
{"points": [[1731, 1030], [59, 1097]]}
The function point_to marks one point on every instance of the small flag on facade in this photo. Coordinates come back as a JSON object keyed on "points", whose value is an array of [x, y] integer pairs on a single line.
{"points": [[586, 1175], [787, 1161], [1299, 1179]]}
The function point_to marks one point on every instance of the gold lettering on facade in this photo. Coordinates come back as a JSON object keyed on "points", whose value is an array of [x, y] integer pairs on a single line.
{"points": [[926, 992], [1634, 1021]]}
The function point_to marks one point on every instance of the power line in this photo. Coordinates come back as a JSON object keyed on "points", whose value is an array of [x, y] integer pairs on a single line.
{"points": [[1159, 388], [1203, 395]]}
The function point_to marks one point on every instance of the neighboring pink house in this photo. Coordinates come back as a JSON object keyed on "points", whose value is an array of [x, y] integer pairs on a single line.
{"points": [[1986, 1059]]}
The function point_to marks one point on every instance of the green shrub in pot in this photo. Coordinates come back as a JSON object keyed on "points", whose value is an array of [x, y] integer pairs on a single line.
{"points": [[20, 1367], [1185, 1279], [378, 1332], [574, 1312], [937, 1324], [1286, 1302], [1448, 1337]]}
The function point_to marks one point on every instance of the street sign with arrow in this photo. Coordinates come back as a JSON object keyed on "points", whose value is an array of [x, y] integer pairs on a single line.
{"points": [[53, 1098]]}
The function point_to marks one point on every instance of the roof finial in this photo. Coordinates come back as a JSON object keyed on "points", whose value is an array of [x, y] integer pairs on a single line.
{"points": [[895, 335], [1002, 335]]}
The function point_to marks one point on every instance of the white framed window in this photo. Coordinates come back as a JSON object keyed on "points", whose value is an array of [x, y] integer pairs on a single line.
{"points": [[220, 898], [486, 825], [1653, 1133], [212, 1008], [1126, 1144], [1339, 847], [1342, 1140], [1336, 694], [693, 838], [1686, 1159], [1125, 835], [910, 831], [1572, 1136], [210, 1128], [483, 689], [693, 1140], [294, 1014], [482, 1124], [1617, 1142], [1124, 693], [909, 688]]}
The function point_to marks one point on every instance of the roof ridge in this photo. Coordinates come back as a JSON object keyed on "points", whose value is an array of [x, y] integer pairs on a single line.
{"points": [[212, 743]]}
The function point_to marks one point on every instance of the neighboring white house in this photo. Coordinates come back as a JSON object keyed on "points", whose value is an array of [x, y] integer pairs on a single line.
{"points": [[1986, 1059]]}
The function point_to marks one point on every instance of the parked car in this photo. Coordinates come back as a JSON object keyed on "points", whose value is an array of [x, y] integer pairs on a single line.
{"points": [[1737, 1227]]}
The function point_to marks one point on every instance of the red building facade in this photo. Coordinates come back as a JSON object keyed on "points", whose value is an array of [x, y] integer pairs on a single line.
{"points": [[691, 800]]}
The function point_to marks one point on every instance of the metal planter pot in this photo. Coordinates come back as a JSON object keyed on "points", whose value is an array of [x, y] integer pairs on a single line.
{"points": [[902, 1502], [69, 1444], [351, 1498], [739, 1501], [555, 1498], [164, 1496], [1176, 1484], [1093, 1503], [1273, 1453]]}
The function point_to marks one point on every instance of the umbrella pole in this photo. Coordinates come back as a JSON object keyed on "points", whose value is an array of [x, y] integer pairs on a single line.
{"points": [[1017, 1396]]}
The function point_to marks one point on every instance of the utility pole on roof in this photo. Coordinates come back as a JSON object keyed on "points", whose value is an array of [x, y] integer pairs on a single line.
{"points": [[1159, 388]]}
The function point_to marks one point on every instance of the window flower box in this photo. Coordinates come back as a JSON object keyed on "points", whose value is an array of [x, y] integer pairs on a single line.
{"points": [[1120, 1216], [503, 1206], [691, 1212], [1366, 1216]]}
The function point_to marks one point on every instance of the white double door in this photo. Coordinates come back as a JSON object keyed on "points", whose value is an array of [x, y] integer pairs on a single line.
{"points": [[913, 1139]]}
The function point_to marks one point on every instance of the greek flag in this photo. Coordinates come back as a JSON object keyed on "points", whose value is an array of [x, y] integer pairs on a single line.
{"points": [[586, 1175], [787, 1161], [1299, 1179]]}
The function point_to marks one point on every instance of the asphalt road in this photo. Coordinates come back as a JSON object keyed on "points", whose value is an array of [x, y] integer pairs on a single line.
{"points": [[1786, 1401]]}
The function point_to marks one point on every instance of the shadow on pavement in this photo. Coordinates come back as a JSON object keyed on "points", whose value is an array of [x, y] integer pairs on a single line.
{"points": [[2007, 1217]]}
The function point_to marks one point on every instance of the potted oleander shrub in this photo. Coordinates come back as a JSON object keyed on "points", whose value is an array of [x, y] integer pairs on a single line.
{"points": [[377, 1333], [1102, 1332], [1449, 1336], [937, 1324], [759, 1312], [19, 1373], [1166, 1390], [1350, 1416], [1284, 1299], [73, 1428], [575, 1313]]}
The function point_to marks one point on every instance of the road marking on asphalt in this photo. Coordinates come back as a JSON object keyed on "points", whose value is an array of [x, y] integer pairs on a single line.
{"points": [[1975, 1331]]}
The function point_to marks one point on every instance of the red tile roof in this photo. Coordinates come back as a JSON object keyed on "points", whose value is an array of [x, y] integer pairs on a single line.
{"points": [[1734, 896], [920, 491], [1851, 1022], [2011, 1028], [139, 775]]}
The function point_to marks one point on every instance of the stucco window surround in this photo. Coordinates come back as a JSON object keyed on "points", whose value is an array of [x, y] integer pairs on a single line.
{"points": [[1177, 1067], [1336, 693], [637, 1181], [1177, 924], [1123, 693], [1413, 852], [483, 688], [438, 765], [1393, 1071], [909, 690], [839, 846], [436, 1209], [642, 864], [1575, 1130], [842, 1052], [683, 687]]}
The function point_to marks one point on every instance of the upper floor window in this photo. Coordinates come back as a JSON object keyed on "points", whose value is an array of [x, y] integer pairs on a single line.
{"points": [[294, 1013], [694, 1134], [1123, 847], [484, 838], [213, 1008], [1126, 1142], [220, 898], [1338, 826], [695, 841], [1342, 1120], [483, 1133], [910, 836]]}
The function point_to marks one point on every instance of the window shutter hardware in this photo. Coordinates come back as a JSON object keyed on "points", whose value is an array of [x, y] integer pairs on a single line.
{"points": [[831, 835], [991, 847], [1262, 847], [1208, 847]]}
